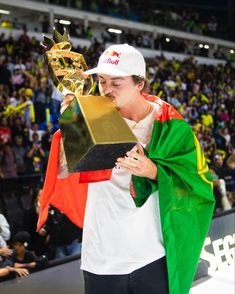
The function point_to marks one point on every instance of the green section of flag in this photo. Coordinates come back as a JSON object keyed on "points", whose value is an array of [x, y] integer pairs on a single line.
{"points": [[185, 198]]}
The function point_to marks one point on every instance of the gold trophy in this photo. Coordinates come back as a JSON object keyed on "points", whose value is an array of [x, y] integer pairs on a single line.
{"points": [[94, 133]]}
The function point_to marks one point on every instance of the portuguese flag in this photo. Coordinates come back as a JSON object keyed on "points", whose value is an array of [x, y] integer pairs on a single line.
{"points": [[184, 186], [186, 199], [68, 194]]}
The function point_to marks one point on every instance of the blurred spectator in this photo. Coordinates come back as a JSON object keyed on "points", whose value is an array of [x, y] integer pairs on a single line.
{"points": [[21, 257], [17, 77], [20, 155], [226, 136], [222, 170], [8, 167], [207, 119], [231, 160], [219, 190], [219, 139], [46, 139], [41, 99], [224, 116], [208, 145], [35, 130], [17, 126], [5, 131], [38, 242], [25, 39], [219, 166], [35, 156], [26, 141], [5, 74], [64, 237]]}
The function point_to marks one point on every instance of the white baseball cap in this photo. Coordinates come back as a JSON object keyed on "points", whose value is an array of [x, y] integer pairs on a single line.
{"points": [[120, 60]]}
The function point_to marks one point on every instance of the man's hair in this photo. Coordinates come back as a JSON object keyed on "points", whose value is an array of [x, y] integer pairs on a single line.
{"points": [[22, 237], [137, 80]]}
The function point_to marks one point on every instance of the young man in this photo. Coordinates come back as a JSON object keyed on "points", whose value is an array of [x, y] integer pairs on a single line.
{"points": [[22, 257], [145, 220]]}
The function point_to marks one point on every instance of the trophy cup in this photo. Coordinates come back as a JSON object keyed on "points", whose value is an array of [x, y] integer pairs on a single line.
{"points": [[94, 134]]}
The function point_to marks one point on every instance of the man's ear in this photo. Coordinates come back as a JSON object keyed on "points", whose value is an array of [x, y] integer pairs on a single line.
{"points": [[140, 86]]}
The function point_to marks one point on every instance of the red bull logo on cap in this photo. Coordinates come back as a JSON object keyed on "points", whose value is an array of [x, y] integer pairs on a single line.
{"points": [[111, 57], [112, 53]]}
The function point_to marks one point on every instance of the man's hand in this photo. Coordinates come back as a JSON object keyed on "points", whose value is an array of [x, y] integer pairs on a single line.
{"points": [[22, 272], [5, 251], [42, 232], [136, 163], [67, 99]]}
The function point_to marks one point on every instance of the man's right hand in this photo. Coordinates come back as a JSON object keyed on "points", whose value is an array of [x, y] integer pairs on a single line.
{"points": [[22, 272], [67, 99]]}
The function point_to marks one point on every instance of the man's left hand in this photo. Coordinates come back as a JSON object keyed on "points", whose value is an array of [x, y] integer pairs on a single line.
{"points": [[138, 164]]}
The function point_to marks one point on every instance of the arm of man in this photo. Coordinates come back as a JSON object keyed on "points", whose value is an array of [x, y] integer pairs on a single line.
{"points": [[25, 265], [4, 228]]}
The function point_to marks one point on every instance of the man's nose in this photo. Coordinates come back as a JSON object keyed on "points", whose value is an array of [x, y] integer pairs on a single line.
{"points": [[108, 93], [108, 90]]}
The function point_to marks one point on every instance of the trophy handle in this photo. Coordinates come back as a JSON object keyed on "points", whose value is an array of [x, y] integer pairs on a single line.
{"points": [[66, 67]]}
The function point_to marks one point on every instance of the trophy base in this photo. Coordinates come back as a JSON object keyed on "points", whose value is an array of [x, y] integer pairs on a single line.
{"points": [[101, 157], [94, 134]]}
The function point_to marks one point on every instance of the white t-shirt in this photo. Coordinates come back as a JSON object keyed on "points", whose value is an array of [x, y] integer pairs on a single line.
{"points": [[118, 237]]}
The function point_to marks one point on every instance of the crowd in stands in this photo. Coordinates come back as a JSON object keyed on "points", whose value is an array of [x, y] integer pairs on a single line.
{"points": [[160, 42], [176, 17], [29, 111]]}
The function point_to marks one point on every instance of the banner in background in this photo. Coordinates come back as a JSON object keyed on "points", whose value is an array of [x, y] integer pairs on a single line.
{"points": [[219, 247]]}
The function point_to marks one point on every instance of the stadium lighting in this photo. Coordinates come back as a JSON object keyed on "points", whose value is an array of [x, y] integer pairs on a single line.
{"points": [[167, 40], [206, 46], [115, 31], [231, 51], [65, 22], [200, 45], [2, 11]]}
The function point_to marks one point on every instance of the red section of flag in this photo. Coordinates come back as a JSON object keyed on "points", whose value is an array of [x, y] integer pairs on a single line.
{"points": [[166, 111], [68, 194]]}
